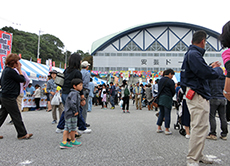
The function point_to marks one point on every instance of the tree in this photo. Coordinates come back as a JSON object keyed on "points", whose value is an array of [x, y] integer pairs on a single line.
{"points": [[51, 47]]}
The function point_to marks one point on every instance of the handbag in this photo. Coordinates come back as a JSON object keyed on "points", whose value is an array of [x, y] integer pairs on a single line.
{"points": [[156, 100], [190, 94], [56, 100], [59, 80]]}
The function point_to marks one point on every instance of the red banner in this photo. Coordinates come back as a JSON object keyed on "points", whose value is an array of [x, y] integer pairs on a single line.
{"points": [[39, 60], [5, 46], [53, 63]]}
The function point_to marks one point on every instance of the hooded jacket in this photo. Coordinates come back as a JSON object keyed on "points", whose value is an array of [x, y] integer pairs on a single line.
{"points": [[72, 104], [195, 72]]}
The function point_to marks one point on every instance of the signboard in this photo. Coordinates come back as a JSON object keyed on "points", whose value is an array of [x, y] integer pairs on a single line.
{"points": [[5, 46]]}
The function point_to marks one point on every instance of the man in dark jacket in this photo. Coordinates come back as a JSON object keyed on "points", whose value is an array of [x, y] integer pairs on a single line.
{"points": [[194, 75], [217, 103]]}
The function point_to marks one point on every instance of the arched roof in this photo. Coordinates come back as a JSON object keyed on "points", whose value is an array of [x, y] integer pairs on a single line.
{"points": [[105, 41]]}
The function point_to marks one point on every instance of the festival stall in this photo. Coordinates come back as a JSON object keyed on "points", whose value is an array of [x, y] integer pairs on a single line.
{"points": [[38, 75]]}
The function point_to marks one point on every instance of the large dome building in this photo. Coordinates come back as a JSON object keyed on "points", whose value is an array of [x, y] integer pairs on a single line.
{"points": [[151, 47]]}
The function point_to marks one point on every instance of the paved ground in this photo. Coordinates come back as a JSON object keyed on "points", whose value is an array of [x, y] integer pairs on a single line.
{"points": [[117, 139]]}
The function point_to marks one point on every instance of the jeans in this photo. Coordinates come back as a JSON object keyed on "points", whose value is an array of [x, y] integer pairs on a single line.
{"points": [[164, 113], [61, 122], [220, 106], [112, 101], [90, 103]]}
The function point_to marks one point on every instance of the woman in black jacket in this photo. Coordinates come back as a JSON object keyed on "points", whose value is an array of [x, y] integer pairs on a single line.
{"points": [[71, 72], [10, 84], [166, 91]]}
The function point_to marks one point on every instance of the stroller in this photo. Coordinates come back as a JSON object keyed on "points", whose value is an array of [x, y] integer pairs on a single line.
{"points": [[178, 125]]}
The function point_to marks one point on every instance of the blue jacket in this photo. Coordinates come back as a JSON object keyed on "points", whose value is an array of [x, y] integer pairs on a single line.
{"points": [[195, 73]]}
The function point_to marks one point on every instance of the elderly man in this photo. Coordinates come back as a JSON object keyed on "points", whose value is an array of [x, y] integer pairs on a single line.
{"points": [[91, 95], [138, 94], [86, 79], [194, 75]]}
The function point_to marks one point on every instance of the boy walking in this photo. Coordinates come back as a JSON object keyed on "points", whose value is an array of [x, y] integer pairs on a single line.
{"points": [[72, 108]]}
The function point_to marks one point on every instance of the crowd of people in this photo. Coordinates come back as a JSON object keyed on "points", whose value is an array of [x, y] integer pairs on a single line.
{"points": [[202, 91]]}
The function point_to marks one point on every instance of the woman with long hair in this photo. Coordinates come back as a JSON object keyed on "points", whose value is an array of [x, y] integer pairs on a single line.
{"points": [[71, 72]]}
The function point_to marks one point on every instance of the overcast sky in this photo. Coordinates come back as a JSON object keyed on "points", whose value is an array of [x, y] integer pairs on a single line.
{"points": [[78, 23]]}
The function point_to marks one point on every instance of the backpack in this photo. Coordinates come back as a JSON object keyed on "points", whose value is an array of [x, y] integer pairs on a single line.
{"points": [[126, 92], [59, 80]]}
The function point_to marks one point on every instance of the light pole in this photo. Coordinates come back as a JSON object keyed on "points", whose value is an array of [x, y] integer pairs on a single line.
{"points": [[65, 58], [38, 44]]}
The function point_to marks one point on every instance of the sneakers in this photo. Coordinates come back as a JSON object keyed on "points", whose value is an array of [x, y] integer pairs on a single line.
{"points": [[75, 143], [65, 146], [112, 108], [223, 138], [206, 160], [159, 131], [212, 137], [54, 122], [86, 131], [192, 164], [187, 136], [59, 130], [168, 133], [1, 137]]}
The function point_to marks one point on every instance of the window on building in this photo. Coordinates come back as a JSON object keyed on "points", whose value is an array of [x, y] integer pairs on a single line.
{"points": [[180, 46], [131, 54], [131, 47], [156, 47], [208, 47]]}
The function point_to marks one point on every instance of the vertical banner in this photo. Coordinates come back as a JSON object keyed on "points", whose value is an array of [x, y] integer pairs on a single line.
{"points": [[39, 60], [53, 63], [5, 46], [50, 65]]}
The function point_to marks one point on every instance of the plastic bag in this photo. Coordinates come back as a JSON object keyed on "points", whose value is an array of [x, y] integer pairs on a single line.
{"points": [[56, 99], [121, 103]]}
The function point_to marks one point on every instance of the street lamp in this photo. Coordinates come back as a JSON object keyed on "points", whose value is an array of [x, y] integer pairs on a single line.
{"points": [[38, 44]]}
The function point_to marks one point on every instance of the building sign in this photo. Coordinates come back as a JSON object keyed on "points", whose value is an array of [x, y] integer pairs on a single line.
{"points": [[143, 61], [5, 46]]}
